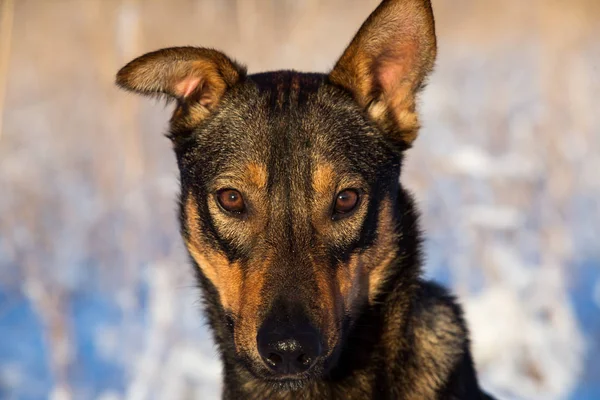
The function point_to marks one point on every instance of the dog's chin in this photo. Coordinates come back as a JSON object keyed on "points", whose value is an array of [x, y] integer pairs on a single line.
{"points": [[286, 383]]}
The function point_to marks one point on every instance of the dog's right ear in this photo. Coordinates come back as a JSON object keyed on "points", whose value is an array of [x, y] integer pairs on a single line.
{"points": [[196, 77]]}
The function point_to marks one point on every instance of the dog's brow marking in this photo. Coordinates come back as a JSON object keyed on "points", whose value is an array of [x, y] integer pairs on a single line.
{"points": [[257, 174], [323, 178], [226, 277]]}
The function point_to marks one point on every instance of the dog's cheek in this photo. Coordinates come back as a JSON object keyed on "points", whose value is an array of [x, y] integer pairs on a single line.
{"points": [[240, 288], [226, 277], [359, 280], [353, 283]]}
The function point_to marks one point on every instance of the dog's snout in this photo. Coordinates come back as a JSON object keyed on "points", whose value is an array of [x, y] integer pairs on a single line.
{"points": [[288, 350]]}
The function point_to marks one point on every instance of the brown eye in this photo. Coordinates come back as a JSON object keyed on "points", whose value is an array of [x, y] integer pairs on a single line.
{"points": [[231, 200], [345, 201]]}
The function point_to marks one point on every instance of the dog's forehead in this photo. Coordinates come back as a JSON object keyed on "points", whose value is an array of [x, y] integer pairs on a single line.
{"points": [[294, 122]]}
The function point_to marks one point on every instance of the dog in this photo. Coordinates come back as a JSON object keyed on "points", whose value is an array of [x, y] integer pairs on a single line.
{"points": [[306, 247]]}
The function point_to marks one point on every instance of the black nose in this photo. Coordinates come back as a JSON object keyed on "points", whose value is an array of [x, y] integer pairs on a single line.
{"points": [[288, 350]]}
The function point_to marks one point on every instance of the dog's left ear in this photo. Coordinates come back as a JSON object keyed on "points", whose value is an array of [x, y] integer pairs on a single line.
{"points": [[386, 64]]}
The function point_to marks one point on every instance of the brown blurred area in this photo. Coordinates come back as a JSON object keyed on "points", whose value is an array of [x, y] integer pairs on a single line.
{"points": [[506, 169]]}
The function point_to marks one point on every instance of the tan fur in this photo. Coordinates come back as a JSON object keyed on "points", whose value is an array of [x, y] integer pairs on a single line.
{"points": [[351, 279], [256, 174], [247, 319], [323, 179], [331, 304], [225, 276]]}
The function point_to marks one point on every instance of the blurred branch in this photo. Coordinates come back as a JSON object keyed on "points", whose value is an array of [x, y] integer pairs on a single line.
{"points": [[6, 21]]}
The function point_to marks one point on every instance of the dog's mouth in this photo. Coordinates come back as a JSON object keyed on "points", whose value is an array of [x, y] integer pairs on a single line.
{"points": [[266, 374], [285, 384]]}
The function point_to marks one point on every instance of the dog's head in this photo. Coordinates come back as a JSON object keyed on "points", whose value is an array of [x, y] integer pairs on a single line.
{"points": [[289, 184]]}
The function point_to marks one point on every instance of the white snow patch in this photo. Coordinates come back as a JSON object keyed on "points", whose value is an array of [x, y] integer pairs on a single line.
{"points": [[524, 332], [472, 161], [60, 393], [476, 162], [493, 217], [109, 395]]}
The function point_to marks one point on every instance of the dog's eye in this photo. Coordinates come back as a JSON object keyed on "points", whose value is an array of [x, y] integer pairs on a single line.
{"points": [[345, 202], [231, 200]]}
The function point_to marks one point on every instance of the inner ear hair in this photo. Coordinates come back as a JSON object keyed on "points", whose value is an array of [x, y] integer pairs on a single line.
{"points": [[387, 62]]}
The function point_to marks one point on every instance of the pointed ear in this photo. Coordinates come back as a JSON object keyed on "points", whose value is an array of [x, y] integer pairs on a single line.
{"points": [[387, 62], [196, 77]]}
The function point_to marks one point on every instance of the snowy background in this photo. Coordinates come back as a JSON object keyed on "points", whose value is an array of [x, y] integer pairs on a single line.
{"points": [[97, 300]]}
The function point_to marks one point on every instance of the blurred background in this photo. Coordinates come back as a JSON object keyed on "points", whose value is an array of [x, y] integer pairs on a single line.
{"points": [[97, 300]]}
